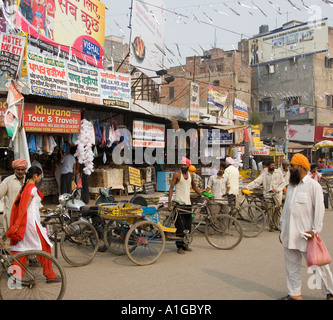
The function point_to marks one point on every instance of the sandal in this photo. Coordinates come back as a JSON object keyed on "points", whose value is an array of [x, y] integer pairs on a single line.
{"points": [[288, 297]]}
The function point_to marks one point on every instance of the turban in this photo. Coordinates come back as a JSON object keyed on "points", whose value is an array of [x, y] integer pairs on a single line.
{"points": [[186, 161], [229, 160], [192, 168], [20, 163], [300, 160]]}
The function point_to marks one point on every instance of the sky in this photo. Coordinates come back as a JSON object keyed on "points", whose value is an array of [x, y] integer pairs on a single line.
{"points": [[192, 26]]}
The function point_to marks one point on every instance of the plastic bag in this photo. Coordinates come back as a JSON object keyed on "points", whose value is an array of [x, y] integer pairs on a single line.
{"points": [[317, 253]]}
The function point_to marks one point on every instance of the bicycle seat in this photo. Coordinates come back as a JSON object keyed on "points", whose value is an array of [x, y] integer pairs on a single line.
{"points": [[247, 191], [181, 203]]}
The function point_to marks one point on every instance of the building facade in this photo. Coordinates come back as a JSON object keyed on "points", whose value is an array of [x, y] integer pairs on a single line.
{"points": [[294, 91]]}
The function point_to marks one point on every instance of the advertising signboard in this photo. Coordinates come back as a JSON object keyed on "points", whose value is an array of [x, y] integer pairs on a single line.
{"points": [[52, 119], [147, 134], [115, 89], [147, 37], [47, 76], [65, 28], [83, 84], [11, 54], [240, 110], [303, 39]]}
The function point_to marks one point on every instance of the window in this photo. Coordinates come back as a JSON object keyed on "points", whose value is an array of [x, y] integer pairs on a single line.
{"points": [[328, 63], [292, 101], [265, 106], [270, 68], [329, 100], [171, 93], [269, 128], [219, 68]]}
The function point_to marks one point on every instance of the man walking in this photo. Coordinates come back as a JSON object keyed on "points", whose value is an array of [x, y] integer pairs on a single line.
{"points": [[182, 181], [10, 187], [303, 212]]}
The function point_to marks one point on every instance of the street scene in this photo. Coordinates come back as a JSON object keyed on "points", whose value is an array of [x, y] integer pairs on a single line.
{"points": [[156, 151]]}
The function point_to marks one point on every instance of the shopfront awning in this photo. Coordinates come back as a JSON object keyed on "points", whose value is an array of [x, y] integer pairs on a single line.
{"points": [[232, 128], [298, 147]]}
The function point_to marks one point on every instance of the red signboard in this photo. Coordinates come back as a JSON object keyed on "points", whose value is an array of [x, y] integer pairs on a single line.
{"points": [[323, 133], [51, 119], [3, 108]]}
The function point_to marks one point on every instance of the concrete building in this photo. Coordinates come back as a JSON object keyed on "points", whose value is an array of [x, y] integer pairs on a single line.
{"points": [[297, 90], [227, 71]]}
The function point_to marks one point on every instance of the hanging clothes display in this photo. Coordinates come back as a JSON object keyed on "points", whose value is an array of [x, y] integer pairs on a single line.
{"points": [[98, 134], [39, 144], [32, 143], [52, 144], [84, 144]]}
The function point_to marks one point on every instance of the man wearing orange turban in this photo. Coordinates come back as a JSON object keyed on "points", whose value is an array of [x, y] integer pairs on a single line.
{"points": [[11, 186], [303, 212], [301, 160]]}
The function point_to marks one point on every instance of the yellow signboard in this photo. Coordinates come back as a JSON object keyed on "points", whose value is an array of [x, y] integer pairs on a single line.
{"points": [[134, 176]]}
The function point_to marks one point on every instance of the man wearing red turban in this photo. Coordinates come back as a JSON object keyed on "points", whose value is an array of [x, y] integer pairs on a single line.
{"points": [[10, 187]]}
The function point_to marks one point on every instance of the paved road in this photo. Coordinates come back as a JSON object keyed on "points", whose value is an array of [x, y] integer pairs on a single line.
{"points": [[253, 270]]}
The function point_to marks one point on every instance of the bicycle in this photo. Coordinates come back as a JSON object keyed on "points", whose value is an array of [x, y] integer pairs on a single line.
{"points": [[78, 240], [269, 209], [22, 275], [221, 230], [245, 211]]}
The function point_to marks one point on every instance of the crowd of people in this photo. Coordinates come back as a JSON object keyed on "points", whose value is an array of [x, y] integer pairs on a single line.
{"points": [[302, 215], [301, 219]]}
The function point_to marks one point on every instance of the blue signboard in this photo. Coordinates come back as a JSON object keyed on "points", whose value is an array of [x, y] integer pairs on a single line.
{"points": [[217, 136], [90, 49]]}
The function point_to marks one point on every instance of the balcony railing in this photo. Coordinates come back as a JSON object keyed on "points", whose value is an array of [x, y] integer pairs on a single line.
{"points": [[296, 113]]}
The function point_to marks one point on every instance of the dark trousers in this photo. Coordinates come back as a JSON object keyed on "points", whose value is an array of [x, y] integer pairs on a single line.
{"points": [[85, 189], [183, 222], [66, 183]]}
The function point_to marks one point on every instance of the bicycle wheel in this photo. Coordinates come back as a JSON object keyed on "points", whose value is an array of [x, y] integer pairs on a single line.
{"points": [[114, 236], [330, 198], [24, 279], [79, 243], [144, 242], [252, 220], [223, 232]]}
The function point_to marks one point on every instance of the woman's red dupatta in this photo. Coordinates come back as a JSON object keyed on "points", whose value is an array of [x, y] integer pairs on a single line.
{"points": [[18, 216]]}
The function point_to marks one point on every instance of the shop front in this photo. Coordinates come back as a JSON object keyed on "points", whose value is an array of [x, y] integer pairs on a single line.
{"points": [[51, 131]]}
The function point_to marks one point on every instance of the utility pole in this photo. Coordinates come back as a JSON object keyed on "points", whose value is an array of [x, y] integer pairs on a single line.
{"points": [[287, 140]]}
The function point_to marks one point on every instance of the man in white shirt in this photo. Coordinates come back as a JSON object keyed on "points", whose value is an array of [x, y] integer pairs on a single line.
{"points": [[217, 184], [273, 184], [285, 171], [231, 175], [10, 187], [67, 171], [303, 211]]}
